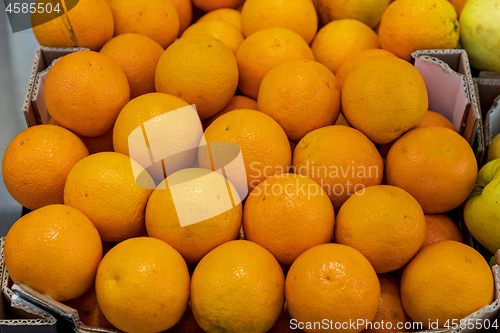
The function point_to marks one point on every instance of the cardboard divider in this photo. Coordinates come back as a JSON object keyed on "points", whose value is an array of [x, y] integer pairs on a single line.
{"points": [[488, 91]]}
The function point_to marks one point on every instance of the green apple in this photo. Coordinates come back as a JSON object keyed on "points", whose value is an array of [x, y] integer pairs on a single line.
{"points": [[482, 208], [494, 148], [480, 33]]}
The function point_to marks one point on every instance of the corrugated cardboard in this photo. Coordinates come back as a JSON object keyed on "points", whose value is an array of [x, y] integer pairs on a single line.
{"points": [[488, 90], [451, 93]]}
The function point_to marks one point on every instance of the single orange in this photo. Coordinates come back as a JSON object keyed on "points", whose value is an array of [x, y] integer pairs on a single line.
{"points": [[137, 56], [408, 26], [367, 11], [436, 119], [469, 283], [54, 250], [185, 11], [439, 227], [221, 30], [384, 97], [384, 223], [341, 159], [142, 285], [208, 5], [201, 70], [332, 282], [228, 15], [296, 15], [435, 165], [104, 187], [237, 102], [37, 162], [84, 92], [88, 24], [263, 143], [391, 315], [264, 50], [301, 95], [237, 287], [200, 196], [99, 144], [288, 214], [339, 40], [157, 19]]}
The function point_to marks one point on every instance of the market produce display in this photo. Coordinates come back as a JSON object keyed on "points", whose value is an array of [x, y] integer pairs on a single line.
{"points": [[254, 166]]}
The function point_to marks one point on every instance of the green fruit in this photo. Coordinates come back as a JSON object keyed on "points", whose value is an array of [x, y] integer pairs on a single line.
{"points": [[480, 33]]}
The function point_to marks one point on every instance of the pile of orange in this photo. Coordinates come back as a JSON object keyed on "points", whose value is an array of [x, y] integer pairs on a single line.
{"points": [[230, 165]]}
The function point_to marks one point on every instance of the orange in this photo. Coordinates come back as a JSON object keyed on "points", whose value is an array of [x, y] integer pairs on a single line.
{"points": [[391, 315], [367, 11], [384, 97], [201, 70], [237, 287], [469, 283], [458, 5], [408, 26], [37, 162], [341, 159], [98, 144], [296, 15], [84, 92], [88, 310], [137, 56], [149, 109], [157, 19], [200, 196], [288, 214], [237, 102], [355, 59], [333, 282], [264, 50], [263, 143], [88, 24], [436, 119], [228, 15], [54, 250], [103, 186], [301, 95], [221, 30], [384, 223], [185, 12], [339, 40], [439, 227], [208, 5], [435, 165], [142, 285]]}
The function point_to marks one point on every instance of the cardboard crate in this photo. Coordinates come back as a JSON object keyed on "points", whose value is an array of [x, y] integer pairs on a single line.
{"points": [[452, 92]]}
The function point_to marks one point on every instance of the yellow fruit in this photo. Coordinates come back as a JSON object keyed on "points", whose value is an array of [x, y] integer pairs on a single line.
{"points": [[103, 186], [301, 95], [88, 24], [221, 30], [494, 148], [201, 70], [37, 162], [408, 26], [435, 165], [137, 55], [384, 97], [333, 282], [340, 39], [264, 50], [367, 11], [469, 283], [157, 19], [296, 15], [384, 223], [84, 92], [341, 159], [142, 285], [228, 15], [201, 196], [263, 143], [54, 250], [288, 214], [237, 287]]}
